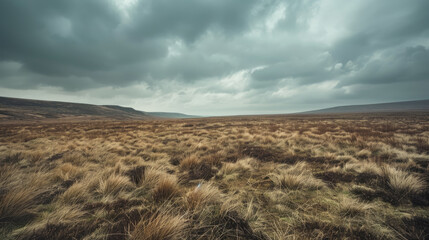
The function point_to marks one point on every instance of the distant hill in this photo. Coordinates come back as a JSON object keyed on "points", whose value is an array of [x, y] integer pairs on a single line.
{"points": [[171, 115], [408, 106], [27, 109]]}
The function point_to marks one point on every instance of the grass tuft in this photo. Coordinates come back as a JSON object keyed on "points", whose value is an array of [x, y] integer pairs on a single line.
{"points": [[166, 188], [160, 226]]}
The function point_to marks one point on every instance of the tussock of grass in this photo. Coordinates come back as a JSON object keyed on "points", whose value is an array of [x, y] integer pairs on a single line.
{"points": [[113, 185], [18, 196], [18, 203], [240, 167], [8, 176], [363, 167], [349, 207], [296, 177], [402, 183], [189, 162], [67, 171], [75, 194], [160, 226], [202, 195], [152, 176], [166, 188]]}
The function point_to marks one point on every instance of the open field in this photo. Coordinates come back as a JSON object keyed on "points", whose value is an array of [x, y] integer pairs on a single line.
{"points": [[267, 177]]}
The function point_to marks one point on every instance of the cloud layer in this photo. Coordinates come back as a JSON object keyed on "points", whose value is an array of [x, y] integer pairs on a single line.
{"points": [[215, 57]]}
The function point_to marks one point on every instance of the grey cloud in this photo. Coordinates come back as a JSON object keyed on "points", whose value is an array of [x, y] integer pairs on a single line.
{"points": [[309, 70], [382, 25], [188, 50], [188, 20], [406, 65]]}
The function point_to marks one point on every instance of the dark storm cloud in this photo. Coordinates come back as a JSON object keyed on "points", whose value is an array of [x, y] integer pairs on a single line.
{"points": [[190, 19], [245, 55], [91, 39], [378, 27], [410, 64], [70, 38], [381, 26]]}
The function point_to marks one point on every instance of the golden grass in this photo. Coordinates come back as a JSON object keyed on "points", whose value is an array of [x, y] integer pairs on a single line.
{"points": [[266, 177], [113, 184], [240, 167], [18, 203], [363, 167], [160, 226], [75, 194], [201, 195], [403, 183], [166, 188], [189, 162], [296, 177], [349, 207], [66, 171]]}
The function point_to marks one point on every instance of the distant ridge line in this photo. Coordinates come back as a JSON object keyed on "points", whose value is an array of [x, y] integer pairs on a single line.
{"points": [[405, 106], [28, 109]]}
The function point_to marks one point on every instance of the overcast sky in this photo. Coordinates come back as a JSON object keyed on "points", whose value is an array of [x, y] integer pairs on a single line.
{"points": [[215, 57]]}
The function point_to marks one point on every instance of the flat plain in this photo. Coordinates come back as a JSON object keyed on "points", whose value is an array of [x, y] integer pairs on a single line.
{"points": [[350, 176]]}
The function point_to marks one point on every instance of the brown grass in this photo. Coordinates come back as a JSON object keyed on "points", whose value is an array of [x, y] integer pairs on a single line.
{"points": [[17, 203], [113, 184], [189, 162], [403, 183], [201, 195], [296, 177], [362, 176], [166, 188], [160, 226]]}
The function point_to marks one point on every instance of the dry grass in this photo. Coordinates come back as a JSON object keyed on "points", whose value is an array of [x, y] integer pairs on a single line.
{"points": [[189, 162], [363, 167], [160, 226], [403, 183], [113, 185], [296, 177], [18, 203], [201, 195], [66, 171], [166, 188], [76, 194], [240, 167], [349, 207], [266, 177]]}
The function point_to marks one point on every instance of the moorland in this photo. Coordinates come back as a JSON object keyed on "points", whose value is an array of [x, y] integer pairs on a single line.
{"points": [[338, 176]]}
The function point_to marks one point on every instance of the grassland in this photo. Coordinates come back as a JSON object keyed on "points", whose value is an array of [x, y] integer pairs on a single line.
{"points": [[269, 177]]}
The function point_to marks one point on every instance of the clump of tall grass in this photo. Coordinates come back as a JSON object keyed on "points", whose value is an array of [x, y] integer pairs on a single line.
{"points": [[67, 171], [113, 185], [76, 193], [202, 195], [166, 188], [160, 226], [18, 203], [349, 207], [296, 177], [189, 162], [240, 167], [403, 184]]}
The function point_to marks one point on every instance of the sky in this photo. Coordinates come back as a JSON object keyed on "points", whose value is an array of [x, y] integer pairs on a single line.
{"points": [[215, 57]]}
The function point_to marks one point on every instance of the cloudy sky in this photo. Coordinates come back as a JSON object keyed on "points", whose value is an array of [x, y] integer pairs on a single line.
{"points": [[215, 57]]}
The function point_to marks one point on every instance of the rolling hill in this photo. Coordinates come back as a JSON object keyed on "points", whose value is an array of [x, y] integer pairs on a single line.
{"points": [[27, 109], [408, 106]]}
